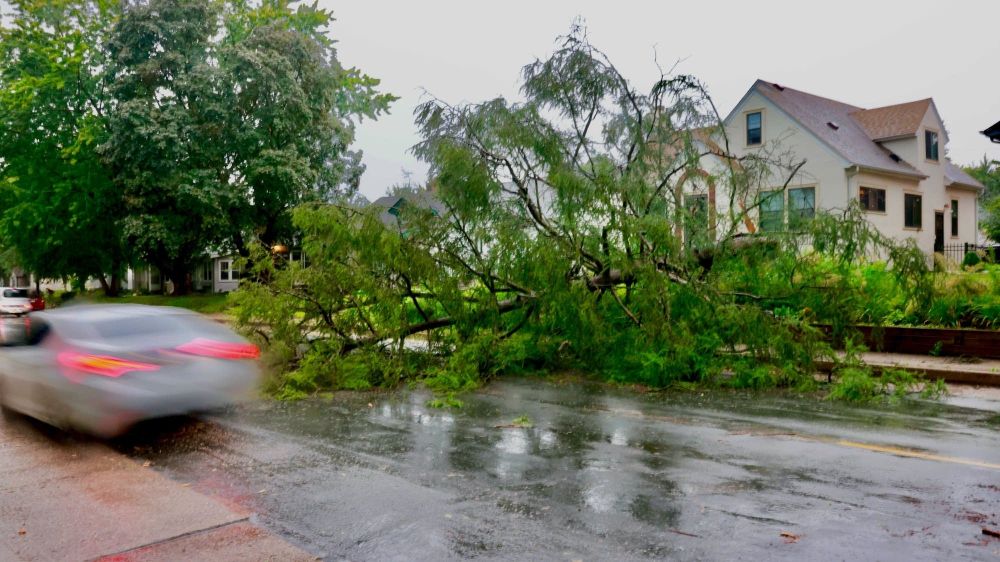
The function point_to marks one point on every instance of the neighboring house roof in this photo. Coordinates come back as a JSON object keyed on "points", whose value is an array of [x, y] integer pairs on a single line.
{"points": [[993, 132], [954, 175], [393, 204], [832, 123], [893, 121]]}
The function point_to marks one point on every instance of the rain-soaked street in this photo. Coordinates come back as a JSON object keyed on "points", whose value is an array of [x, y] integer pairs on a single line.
{"points": [[601, 474]]}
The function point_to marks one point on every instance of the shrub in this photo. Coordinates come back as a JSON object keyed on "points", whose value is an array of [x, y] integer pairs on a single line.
{"points": [[971, 259]]}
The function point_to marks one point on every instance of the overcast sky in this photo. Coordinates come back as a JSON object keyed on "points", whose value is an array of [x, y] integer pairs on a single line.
{"points": [[867, 53]]}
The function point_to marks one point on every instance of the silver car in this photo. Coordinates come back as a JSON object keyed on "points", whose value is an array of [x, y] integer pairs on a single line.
{"points": [[102, 368]]}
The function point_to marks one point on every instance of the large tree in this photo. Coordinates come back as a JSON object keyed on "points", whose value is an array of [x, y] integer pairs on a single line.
{"points": [[227, 115], [292, 112], [164, 131], [59, 204], [559, 234]]}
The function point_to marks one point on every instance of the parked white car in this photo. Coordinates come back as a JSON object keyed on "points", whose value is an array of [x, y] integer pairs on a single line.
{"points": [[14, 301]]}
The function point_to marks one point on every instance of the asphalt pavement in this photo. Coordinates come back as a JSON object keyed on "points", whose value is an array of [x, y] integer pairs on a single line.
{"points": [[545, 470]]}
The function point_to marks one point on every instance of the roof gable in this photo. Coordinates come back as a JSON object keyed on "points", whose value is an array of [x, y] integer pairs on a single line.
{"points": [[892, 121], [830, 121], [770, 104]]}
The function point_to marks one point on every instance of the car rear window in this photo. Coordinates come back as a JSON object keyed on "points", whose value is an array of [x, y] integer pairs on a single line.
{"points": [[15, 293]]}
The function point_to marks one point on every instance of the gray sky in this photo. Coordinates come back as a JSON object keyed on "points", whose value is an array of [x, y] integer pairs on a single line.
{"points": [[868, 53]]}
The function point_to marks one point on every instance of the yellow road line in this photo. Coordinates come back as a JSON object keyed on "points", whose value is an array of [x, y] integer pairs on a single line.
{"points": [[888, 449], [900, 452]]}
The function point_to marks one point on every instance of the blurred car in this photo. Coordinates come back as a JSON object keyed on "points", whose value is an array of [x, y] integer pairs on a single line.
{"points": [[14, 301], [102, 368]]}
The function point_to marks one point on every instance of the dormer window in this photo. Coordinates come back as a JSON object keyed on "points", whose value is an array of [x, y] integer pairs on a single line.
{"points": [[931, 145], [753, 128]]}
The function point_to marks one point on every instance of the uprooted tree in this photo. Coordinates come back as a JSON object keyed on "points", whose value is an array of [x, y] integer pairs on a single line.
{"points": [[563, 237]]}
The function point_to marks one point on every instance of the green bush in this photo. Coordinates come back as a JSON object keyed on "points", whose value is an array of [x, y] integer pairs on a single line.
{"points": [[971, 259]]}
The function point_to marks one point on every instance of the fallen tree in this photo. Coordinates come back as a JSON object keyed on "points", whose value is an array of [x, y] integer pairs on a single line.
{"points": [[564, 238]]}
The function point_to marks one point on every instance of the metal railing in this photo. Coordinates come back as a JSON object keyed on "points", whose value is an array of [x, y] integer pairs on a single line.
{"points": [[956, 252]]}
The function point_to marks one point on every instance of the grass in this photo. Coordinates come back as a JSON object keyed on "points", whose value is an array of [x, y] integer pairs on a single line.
{"points": [[211, 303]]}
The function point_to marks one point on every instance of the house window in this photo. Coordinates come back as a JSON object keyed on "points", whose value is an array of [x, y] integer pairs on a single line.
{"points": [[753, 128], [872, 199], [801, 206], [206, 272], [696, 221], [954, 217], [228, 271], [772, 211], [154, 276], [912, 211], [931, 145]]}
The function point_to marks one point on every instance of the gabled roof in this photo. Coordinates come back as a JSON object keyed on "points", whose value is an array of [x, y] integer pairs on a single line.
{"points": [[893, 121], [831, 122], [993, 132], [954, 175]]}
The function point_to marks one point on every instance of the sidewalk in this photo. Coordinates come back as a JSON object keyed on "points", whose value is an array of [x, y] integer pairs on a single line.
{"points": [[65, 500], [985, 372]]}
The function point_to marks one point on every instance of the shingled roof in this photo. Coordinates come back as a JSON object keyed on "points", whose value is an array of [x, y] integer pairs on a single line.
{"points": [[954, 175], [392, 204], [892, 121], [993, 132], [833, 123]]}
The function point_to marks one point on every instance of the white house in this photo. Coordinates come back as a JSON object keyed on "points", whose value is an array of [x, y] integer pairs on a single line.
{"points": [[892, 160], [219, 273]]}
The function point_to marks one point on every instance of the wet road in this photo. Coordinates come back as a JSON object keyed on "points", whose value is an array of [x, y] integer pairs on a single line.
{"points": [[601, 474]]}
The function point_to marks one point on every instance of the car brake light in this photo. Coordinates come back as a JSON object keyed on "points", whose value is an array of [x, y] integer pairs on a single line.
{"points": [[104, 365], [220, 349]]}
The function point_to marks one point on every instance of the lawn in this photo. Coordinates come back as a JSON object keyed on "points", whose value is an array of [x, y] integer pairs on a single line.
{"points": [[211, 303]]}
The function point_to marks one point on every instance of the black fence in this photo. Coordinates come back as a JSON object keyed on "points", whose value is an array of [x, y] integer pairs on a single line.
{"points": [[956, 252]]}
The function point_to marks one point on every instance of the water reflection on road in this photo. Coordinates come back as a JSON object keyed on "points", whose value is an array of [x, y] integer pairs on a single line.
{"points": [[13, 330], [599, 474]]}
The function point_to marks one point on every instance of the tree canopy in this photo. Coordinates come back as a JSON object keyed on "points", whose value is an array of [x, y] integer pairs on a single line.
{"points": [[561, 244], [988, 174], [192, 125], [56, 193]]}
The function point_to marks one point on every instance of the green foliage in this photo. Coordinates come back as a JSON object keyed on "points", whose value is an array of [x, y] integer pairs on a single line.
{"points": [[161, 129], [522, 421], [445, 401], [554, 238], [213, 303], [55, 194], [857, 383], [971, 259], [988, 173]]}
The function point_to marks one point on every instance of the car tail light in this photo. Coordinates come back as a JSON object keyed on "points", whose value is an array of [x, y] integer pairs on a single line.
{"points": [[104, 365], [220, 349]]}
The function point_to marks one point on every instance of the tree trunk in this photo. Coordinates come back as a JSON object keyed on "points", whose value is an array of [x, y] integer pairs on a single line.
{"points": [[113, 288], [180, 275]]}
